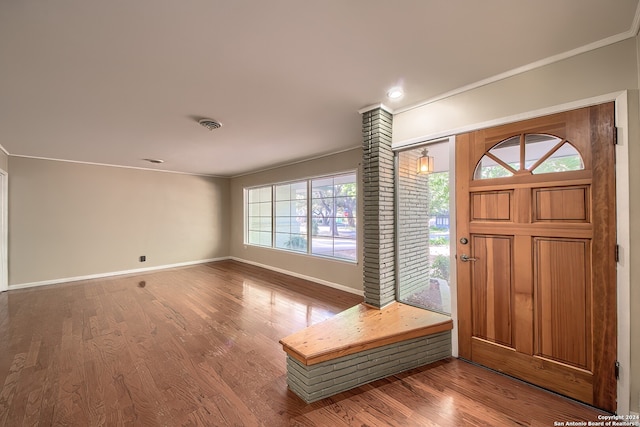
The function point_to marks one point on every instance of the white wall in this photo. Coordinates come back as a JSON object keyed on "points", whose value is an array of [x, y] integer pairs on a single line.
{"points": [[609, 69], [71, 220]]}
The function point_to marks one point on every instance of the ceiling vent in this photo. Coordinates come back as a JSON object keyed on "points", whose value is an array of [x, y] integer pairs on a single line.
{"points": [[157, 161], [209, 124]]}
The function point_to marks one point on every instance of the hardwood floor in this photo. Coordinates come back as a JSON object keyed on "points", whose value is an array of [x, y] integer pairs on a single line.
{"points": [[199, 346]]}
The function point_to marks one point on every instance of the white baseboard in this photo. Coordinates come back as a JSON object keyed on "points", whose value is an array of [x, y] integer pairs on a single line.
{"points": [[301, 276], [185, 264], [113, 273]]}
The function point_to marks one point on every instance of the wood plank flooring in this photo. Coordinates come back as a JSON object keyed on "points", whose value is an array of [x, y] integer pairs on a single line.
{"points": [[199, 346]]}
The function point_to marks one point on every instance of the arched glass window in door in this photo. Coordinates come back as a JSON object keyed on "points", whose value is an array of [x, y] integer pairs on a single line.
{"points": [[528, 154]]}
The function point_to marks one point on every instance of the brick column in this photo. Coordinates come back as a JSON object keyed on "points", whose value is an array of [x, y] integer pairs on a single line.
{"points": [[378, 185]]}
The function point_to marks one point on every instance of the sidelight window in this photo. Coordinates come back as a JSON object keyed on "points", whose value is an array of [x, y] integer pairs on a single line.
{"points": [[424, 228]]}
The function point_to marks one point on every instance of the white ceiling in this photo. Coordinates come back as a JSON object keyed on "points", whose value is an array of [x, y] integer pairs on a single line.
{"points": [[119, 81]]}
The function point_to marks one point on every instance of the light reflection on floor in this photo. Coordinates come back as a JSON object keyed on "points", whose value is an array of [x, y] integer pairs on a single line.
{"points": [[265, 298]]}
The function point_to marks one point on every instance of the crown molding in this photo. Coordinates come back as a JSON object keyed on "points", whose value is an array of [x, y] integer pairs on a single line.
{"points": [[376, 106], [115, 166]]}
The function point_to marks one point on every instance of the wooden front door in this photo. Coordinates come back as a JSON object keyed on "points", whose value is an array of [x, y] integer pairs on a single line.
{"points": [[536, 251]]}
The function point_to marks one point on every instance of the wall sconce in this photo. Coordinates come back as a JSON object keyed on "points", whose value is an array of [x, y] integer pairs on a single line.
{"points": [[425, 163]]}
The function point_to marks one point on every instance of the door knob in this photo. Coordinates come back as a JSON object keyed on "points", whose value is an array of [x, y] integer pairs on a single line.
{"points": [[467, 258]]}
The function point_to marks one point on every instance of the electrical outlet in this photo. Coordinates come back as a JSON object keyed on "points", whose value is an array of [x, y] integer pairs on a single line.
{"points": [[143, 258]]}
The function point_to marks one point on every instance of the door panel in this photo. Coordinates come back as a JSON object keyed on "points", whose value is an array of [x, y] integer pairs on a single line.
{"points": [[492, 294], [561, 204], [564, 301], [491, 206], [537, 293]]}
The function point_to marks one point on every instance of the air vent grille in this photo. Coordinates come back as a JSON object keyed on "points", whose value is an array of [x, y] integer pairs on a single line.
{"points": [[210, 124]]}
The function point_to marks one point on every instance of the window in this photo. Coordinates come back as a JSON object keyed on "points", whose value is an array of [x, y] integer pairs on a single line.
{"points": [[542, 153], [423, 221], [333, 206], [291, 216], [315, 216], [259, 216]]}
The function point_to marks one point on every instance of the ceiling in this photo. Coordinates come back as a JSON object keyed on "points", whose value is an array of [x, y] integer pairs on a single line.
{"points": [[116, 82]]}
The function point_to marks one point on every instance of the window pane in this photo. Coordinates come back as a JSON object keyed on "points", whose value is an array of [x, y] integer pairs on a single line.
{"points": [[283, 192], [254, 237], [322, 184], [299, 207], [283, 225], [291, 204], [265, 238], [283, 208], [345, 249], [318, 208], [488, 168], [536, 146], [299, 190], [299, 225], [324, 226], [260, 238], [292, 242], [566, 158], [322, 246], [265, 194], [333, 223], [265, 223], [423, 236], [346, 206], [281, 239], [265, 209], [508, 151], [254, 195], [344, 179], [254, 209], [254, 223], [258, 222]]}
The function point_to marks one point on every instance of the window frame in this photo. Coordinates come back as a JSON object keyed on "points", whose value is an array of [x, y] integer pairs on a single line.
{"points": [[518, 168], [248, 216], [275, 216], [309, 216]]}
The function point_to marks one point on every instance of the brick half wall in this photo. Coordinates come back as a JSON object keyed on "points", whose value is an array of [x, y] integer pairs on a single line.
{"points": [[315, 382]]}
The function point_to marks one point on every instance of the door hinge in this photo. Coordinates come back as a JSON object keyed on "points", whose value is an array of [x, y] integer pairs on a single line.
{"points": [[617, 254], [617, 370], [617, 130]]}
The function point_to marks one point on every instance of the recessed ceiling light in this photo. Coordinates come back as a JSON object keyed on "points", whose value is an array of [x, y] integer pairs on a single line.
{"points": [[395, 93], [153, 160]]}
